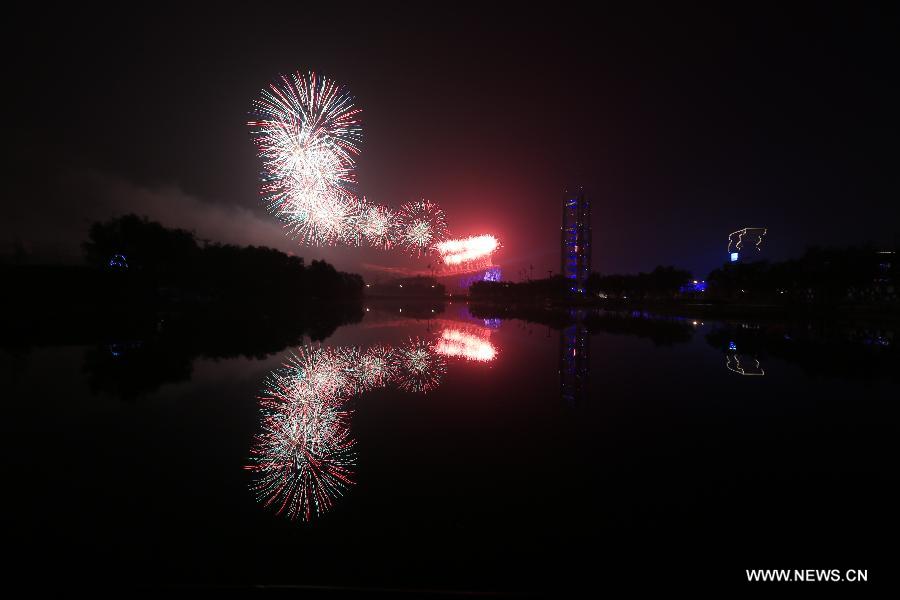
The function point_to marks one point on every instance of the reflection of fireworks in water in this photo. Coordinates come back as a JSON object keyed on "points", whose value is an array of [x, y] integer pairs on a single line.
{"points": [[419, 367], [422, 226], [377, 367], [303, 458], [316, 374], [466, 343]]}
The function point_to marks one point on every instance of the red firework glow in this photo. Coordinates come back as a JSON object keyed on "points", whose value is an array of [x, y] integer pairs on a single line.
{"points": [[465, 251]]}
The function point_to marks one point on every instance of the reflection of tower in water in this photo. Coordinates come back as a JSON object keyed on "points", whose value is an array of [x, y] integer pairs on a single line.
{"points": [[574, 362]]}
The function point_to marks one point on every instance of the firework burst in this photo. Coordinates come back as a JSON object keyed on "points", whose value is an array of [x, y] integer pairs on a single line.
{"points": [[379, 226], [307, 132], [422, 226]]}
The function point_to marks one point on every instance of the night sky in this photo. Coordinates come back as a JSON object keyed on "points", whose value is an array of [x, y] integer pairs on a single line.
{"points": [[681, 124]]}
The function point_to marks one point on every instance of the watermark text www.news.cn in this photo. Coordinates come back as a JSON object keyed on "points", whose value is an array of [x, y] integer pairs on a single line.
{"points": [[808, 575]]}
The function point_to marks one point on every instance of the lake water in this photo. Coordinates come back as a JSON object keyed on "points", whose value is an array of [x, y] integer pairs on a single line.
{"points": [[535, 457]]}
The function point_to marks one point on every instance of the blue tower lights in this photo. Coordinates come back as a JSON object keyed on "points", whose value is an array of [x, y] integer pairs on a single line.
{"points": [[575, 240]]}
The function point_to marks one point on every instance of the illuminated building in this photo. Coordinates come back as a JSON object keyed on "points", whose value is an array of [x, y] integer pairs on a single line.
{"points": [[461, 282], [575, 239]]}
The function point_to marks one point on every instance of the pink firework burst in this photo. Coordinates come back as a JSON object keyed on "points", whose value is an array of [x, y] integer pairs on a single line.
{"points": [[422, 226]]}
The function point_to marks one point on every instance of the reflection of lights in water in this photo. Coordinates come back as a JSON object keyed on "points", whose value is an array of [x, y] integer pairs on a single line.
{"points": [[119, 348], [419, 367], [741, 365], [318, 373], [118, 261], [465, 344], [377, 367], [303, 458], [574, 363]]}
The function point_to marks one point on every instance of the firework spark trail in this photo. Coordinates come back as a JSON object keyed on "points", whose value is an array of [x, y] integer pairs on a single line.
{"points": [[308, 134]]}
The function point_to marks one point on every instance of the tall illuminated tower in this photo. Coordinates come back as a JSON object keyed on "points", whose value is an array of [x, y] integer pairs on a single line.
{"points": [[575, 239]]}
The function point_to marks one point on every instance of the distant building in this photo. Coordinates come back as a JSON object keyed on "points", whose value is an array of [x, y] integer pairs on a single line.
{"points": [[575, 239], [459, 283]]}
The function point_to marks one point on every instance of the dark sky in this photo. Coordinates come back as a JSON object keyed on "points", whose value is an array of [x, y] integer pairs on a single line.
{"points": [[683, 124]]}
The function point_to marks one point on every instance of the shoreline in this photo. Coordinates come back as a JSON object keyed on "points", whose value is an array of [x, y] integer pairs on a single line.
{"points": [[695, 309]]}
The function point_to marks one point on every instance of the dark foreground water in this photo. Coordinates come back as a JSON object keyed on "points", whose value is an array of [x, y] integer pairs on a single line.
{"points": [[625, 448]]}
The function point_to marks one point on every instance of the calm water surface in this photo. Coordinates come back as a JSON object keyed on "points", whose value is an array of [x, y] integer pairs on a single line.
{"points": [[536, 457]]}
